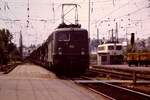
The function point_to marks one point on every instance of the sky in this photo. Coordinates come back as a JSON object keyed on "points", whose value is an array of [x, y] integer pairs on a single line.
{"points": [[45, 15]]}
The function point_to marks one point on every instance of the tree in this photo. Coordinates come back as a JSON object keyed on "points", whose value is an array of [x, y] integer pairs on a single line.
{"points": [[2, 46], [6, 46]]}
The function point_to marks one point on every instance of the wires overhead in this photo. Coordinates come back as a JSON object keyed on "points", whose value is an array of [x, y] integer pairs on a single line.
{"points": [[28, 16], [4, 5], [121, 7], [46, 14]]}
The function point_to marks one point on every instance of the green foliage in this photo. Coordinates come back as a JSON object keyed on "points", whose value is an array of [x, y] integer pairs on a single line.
{"points": [[7, 48]]}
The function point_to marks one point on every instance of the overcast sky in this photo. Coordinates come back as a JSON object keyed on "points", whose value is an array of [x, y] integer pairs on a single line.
{"points": [[45, 15]]}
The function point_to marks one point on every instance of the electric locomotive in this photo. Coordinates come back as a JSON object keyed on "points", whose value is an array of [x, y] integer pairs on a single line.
{"points": [[68, 50]]}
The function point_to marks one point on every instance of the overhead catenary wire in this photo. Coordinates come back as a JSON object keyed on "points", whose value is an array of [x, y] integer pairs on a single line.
{"points": [[119, 8], [42, 19]]}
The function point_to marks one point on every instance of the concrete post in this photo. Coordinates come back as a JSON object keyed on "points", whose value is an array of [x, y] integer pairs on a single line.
{"points": [[134, 77]]}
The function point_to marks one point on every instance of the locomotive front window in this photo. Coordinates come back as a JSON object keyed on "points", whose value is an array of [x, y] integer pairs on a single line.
{"points": [[78, 36], [101, 48], [110, 47], [119, 47], [63, 37]]}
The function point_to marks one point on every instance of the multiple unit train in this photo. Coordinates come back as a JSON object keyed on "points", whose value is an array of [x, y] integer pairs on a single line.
{"points": [[66, 51], [110, 53]]}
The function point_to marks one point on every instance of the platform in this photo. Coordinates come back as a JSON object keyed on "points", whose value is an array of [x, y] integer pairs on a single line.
{"points": [[140, 69], [31, 82]]}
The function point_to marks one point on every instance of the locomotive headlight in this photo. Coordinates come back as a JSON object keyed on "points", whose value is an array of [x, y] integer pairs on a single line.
{"points": [[82, 51], [60, 51]]}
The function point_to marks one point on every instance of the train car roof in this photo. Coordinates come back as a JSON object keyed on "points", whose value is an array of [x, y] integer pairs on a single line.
{"points": [[63, 28], [69, 29], [109, 44]]}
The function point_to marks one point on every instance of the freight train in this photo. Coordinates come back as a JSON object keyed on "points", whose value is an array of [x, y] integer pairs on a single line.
{"points": [[135, 57], [66, 51], [139, 59]]}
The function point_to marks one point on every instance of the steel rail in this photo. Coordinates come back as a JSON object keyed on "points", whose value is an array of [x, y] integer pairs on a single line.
{"points": [[127, 75], [114, 91], [125, 72]]}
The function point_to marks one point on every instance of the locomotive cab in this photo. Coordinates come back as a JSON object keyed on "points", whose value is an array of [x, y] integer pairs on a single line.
{"points": [[69, 50]]}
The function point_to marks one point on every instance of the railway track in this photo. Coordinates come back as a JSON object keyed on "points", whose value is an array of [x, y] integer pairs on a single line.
{"points": [[123, 90], [121, 73], [113, 92]]}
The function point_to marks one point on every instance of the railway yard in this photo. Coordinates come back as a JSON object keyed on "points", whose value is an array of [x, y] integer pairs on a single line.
{"points": [[109, 82], [104, 54], [119, 81]]}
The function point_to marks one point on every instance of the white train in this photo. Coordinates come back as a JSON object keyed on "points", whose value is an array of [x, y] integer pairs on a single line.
{"points": [[110, 53]]}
